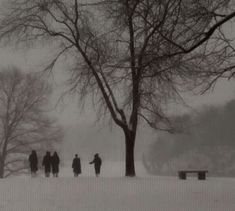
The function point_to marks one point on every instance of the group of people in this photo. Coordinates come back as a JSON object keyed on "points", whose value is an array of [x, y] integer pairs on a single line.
{"points": [[51, 164], [76, 165]]}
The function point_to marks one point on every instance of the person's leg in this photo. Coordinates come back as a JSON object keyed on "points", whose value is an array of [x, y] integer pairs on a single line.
{"points": [[97, 172]]}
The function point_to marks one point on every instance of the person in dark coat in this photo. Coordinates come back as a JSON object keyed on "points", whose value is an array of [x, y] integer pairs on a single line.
{"points": [[97, 163], [76, 165], [46, 162], [33, 161], [55, 161]]}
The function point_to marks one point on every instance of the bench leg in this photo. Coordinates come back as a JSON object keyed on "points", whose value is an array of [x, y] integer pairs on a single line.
{"points": [[201, 176], [182, 175]]}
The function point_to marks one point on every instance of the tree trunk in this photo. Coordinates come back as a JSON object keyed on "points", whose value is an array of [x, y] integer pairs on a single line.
{"points": [[1, 168], [130, 163]]}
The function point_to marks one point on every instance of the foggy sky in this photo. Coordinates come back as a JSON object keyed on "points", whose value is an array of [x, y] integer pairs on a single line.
{"points": [[83, 136]]}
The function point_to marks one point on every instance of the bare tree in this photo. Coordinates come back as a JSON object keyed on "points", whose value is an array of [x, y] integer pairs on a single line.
{"points": [[131, 56], [24, 124]]}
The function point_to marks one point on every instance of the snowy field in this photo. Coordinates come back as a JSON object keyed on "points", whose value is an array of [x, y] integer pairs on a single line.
{"points": [[109, 193]]}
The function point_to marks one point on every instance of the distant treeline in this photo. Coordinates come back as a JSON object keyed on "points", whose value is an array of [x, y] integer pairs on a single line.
{"points": [[205, 140]]}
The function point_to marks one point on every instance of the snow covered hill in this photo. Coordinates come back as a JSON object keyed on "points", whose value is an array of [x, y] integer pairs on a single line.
{"points": [[116, 194]]}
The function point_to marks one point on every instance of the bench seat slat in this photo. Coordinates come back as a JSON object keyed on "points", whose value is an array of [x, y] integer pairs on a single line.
{"points": [[194, 171], [201, 174]]}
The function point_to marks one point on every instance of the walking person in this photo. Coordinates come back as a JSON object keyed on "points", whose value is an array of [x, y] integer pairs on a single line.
{"points": [[55, 161], [46, 162], [33, 161], [76, 165], [97, 164]]}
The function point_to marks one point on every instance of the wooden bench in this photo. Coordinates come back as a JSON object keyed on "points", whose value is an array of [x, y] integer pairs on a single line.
{"points": [[201, 174]]}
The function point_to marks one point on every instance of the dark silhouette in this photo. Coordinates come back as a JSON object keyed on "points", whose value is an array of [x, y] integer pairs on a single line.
{"points": [[46, 162], [55, 161], [33, 160], [97, 163], [76, 166]]}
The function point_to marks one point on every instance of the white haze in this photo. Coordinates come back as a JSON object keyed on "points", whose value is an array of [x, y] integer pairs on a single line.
{"points": [[85, 136]]}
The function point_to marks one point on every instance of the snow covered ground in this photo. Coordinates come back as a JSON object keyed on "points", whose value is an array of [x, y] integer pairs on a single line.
{"points": [[109, 193], [108, 169]]}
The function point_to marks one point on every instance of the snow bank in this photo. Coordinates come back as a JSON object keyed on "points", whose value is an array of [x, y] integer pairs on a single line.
{"points": [[116, 194]]}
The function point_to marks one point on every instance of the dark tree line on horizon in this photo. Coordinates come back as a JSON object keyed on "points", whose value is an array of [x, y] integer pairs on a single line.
{"points": [[205, 141]]}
